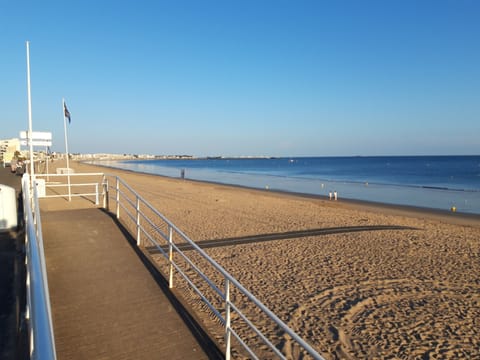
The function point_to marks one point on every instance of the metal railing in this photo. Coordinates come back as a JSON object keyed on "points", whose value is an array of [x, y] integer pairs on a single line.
{"points": [[80, 189], [205, 282], [38, 314]]}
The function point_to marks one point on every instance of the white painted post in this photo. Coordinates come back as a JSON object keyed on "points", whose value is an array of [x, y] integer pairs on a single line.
{"points": [[96, 194], [170, 257], [30, 131], [27, 285], [138, 221], [105, 193], [117, 197], [227, 320], [46, 161]]}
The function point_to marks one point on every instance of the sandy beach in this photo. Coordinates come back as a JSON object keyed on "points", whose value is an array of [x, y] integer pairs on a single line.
{"points": [[393, 292]]}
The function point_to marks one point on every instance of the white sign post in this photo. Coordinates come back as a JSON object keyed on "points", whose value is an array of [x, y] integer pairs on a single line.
{"points": [[38, 138]]}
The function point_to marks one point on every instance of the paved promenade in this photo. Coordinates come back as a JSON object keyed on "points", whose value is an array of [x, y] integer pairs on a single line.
{"points": [[107, 302]]}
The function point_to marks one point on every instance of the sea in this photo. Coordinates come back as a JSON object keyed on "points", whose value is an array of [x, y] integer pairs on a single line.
{"points": [[450, 183]]}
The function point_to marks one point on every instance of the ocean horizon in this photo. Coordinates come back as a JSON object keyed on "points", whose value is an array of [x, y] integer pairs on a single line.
{"points": [[435, 182]]}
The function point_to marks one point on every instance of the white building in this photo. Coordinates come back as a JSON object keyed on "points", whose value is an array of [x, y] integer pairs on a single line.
{"points": [[7, 150]]}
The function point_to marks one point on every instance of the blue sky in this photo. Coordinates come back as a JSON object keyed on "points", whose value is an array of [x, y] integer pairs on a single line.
{"points": [[279, 78]]}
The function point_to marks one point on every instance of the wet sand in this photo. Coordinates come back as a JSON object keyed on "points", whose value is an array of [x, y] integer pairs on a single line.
{"points": [[385, 293]]}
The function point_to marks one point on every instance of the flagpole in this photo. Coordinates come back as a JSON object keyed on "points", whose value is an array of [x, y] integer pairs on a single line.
{"points": [[66, 149], [30, 143]]}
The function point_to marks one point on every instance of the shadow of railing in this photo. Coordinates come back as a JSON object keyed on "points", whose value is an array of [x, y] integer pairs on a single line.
{"points": [[241, 240]]}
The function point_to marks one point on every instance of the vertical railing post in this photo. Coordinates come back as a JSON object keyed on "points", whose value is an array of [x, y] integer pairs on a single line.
{"points": [[117, 196], [227, 320], [138, 221], [96, 194], [32, 194], [27, 279], [170, 257], [105, 194], [26, 197]]}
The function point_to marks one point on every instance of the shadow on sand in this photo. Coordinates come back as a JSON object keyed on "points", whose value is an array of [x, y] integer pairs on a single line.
{"points": [[205, 244]]}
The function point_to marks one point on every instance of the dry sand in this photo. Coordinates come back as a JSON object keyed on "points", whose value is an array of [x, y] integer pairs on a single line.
{"points": [[404, 293]]}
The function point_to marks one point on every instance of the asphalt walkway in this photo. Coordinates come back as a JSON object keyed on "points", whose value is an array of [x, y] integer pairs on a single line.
{"points": [[108, 302]]}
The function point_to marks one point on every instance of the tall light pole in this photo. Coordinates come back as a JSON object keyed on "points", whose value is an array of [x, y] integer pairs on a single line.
{"points": [[29, 136]]}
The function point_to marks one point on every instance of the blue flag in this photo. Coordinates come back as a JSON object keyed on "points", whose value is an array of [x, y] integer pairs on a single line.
{"points": [[66, 112]]}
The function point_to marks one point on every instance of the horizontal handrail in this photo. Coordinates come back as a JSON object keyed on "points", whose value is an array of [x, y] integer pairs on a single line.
{"points": [[66, 175], [131, 205], [73, 184], [69, 185], [42, 341]]}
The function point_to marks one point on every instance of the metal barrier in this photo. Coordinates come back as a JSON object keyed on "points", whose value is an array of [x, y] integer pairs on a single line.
{"points": [[206, 281], [41, 337], [80, 193]]}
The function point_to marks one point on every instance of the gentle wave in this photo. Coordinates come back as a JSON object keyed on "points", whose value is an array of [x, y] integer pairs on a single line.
{"points": [[349, 181], [427, 196]]}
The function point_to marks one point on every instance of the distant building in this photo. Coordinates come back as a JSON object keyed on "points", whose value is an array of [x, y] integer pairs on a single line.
{"points": [[104, 156], [7, 150]]}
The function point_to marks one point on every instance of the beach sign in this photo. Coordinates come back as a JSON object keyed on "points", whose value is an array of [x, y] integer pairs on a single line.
{"points": [[39, 138]]}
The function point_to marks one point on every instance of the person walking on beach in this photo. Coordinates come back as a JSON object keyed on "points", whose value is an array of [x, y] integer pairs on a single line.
{"points": [[335, 195], [330, 195]]}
